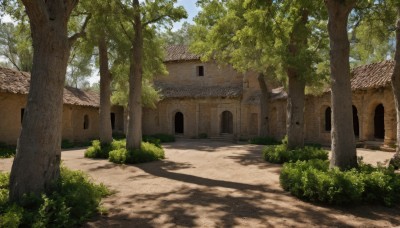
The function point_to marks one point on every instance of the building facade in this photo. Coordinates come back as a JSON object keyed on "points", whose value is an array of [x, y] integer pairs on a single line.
{"points": [[80, 110]]}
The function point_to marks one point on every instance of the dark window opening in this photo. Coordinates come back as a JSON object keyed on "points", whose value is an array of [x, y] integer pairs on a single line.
{"points": [[379, 122], [86, 122], [22, 114], [356, 125], [227, 122], [178, 123], [112, 116], [328, 119], [200, 71]]}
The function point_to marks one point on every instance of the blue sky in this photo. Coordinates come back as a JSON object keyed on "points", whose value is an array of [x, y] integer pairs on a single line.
{"points": [[191, 9]]}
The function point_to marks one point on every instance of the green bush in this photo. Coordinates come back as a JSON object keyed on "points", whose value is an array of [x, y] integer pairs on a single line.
{"points": [[152, 140], [263, 141], [280, 154], [148, 152], [313, 180], [203, 136], [66, 144], [7, 151], [73, 200], [164, 138], [98, 150]]}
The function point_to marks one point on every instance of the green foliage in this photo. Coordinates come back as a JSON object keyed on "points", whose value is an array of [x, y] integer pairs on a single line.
{"points": [[7, 151], [151, 139], [98, 150], [66, 144], [280, 154], [203, 136], [148, 152], [164, 138], [73, 200], [263, 141], [313, 180]]}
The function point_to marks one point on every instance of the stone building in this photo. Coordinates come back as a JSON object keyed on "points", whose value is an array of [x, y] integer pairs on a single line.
{"points": [[202, 98], [80, 110]]}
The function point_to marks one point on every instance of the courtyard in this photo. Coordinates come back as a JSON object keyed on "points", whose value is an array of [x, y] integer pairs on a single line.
{"points": [[204, 183]]}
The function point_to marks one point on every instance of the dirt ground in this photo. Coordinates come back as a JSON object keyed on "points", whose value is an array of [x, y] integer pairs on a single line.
{"points": [[214, 184]]}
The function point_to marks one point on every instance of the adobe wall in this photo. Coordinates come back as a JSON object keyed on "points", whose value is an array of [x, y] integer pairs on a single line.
{"points": [[200, 116], [185, 73], [72, 125], [10, 117]]}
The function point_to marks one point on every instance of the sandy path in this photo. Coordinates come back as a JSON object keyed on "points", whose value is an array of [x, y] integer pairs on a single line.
{"points": [[213, 184]]}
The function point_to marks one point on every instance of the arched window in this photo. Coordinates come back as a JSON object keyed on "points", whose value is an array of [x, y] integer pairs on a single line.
{"points": [[379, 122], [328, 119], [179, 124], [86, 122], [227, 122]]}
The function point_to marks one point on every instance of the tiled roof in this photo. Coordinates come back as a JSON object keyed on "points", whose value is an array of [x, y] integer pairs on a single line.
{"points": [[372, 75], [169, 91], [12, 81], [177, 53]]}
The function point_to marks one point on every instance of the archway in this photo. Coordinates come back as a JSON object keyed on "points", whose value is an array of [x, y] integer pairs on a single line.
{"points": [[356, 125], [179, 123], [227, 122], [379, 122]]}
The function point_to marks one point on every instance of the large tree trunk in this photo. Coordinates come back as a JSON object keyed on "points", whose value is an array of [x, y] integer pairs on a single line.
{"points": [[344, 153], [105, 93], [37, 162], [134, 134], [263, 105], [295, 111], [396, 91], [296, 84]]}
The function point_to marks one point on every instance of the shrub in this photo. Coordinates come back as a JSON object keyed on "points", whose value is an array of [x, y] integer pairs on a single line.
{"points": [[164, 138], [148, 152], [280, 154], [313, 180], [73, 200], [98, 150], [263, 141], [203, 136], [152, 140], [7, 151]]}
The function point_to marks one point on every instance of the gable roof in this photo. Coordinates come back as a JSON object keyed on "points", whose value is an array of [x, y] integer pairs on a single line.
{"points": [[177, 53], [370, 76], [17, 82]]}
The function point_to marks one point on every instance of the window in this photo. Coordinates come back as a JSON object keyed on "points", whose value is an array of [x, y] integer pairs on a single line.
{"points": [[328, 123], [113, 121], [200, 71], [22, 114], [86, 122]]}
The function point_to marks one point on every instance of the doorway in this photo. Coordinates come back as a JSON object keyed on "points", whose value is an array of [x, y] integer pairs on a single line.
{"points": [[379, 122], [179, 123], [226, 122]]}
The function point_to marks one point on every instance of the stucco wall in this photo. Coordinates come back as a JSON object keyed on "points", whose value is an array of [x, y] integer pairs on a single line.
{"points": [[72, 125]]}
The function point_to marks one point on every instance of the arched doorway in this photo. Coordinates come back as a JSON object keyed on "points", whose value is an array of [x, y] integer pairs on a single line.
{"points": [[356, 125], [379, 122], [178, 123], [227, 122]]}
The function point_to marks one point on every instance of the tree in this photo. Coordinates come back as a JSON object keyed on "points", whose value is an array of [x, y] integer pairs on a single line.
{"points": [[37, 162], [16, 45], [179, 37], [272, 38], [344, 153], [141, 17]]}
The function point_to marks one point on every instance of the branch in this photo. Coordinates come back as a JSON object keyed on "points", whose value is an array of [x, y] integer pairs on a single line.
{"points": [[80, 34], [154, 20], [125, 32], [37, 11]]}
